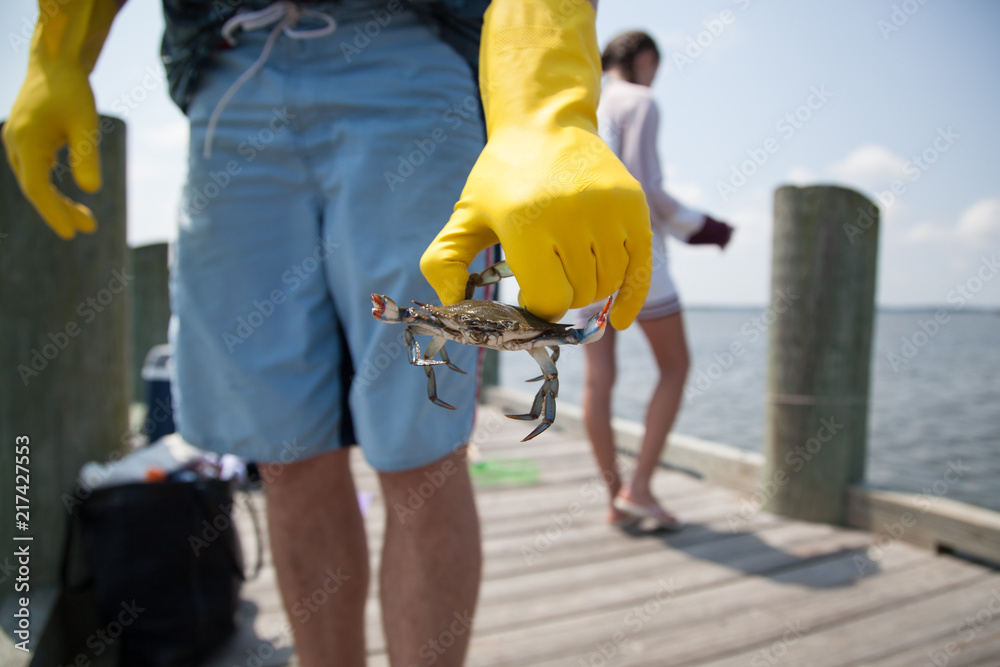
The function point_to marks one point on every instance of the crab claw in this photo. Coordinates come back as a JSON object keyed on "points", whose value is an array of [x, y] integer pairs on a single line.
{"points": [[384, 309], [595, 327]]}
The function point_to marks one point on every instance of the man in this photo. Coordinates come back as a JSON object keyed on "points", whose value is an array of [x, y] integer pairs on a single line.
{"points": [[339, 166]]}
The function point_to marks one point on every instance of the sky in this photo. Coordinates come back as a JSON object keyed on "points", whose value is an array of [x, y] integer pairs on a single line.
{"points": [[752, 95]]}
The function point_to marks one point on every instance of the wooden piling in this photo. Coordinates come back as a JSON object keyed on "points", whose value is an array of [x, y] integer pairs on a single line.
{"points": [[490, 376], [820, 337], [150, 307], [65, 350]]}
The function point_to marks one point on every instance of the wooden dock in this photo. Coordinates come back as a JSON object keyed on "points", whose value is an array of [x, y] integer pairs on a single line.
{"points": [[736, 587]]}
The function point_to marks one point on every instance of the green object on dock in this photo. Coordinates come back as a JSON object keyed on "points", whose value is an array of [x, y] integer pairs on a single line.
{"points": [[513, 472]]}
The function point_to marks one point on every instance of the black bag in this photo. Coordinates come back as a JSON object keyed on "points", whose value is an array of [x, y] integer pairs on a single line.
{"points": [[165, 564]]}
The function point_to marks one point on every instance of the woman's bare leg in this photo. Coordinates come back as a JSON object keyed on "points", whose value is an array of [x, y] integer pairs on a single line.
{"points": [[666, 337], [598, 384]]}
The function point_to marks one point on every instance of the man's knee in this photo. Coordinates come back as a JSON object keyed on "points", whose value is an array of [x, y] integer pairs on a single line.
{"points": [[442, 482], [326, 469]]}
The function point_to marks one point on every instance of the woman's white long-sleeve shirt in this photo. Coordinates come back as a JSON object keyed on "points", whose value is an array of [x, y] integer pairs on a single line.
{"points": [[628, 121]]}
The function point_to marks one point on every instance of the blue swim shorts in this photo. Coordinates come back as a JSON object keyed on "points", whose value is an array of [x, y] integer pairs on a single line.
{"points": [[331, 170]]}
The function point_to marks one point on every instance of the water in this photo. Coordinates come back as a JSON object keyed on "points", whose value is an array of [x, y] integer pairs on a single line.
{"points": [[937, 408]]}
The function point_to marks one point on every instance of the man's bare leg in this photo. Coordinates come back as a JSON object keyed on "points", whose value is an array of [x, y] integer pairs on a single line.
{"points": [[431, 562], [320, 555]]}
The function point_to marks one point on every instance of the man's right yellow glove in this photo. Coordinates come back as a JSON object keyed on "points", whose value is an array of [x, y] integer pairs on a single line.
{"points": [[56, 107], [573, 222]]}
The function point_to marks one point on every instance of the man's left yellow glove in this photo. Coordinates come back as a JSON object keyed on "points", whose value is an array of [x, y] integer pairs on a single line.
{"points": [[573, 222], [56, 107]]}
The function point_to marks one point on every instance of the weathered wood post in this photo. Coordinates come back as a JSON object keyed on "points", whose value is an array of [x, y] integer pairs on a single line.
{"points": [[150, 307], [823, 307], [491, 371], [64, 353]]}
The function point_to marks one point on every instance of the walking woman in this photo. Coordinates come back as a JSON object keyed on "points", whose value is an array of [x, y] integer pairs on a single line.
{"points": [[627, 120]]}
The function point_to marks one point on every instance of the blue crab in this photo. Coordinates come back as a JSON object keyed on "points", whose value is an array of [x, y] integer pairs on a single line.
{"points": [[494, 325]]}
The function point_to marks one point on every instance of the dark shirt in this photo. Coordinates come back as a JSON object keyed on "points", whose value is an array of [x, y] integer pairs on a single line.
{"points": [[193, 32]]}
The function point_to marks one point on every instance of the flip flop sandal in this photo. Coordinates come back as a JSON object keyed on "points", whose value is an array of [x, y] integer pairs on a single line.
{"points": [[663, 519]]}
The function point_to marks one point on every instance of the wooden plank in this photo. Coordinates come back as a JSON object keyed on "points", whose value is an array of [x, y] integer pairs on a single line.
{"points": [[715, 609], [514, 554], [627, 580], [598, 544], [930, 520], [976, 644], [891, 618], [728, 592], [716, 463], [577, 627], [961, 527]]}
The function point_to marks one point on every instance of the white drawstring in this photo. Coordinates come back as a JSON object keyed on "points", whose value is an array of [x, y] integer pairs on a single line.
{"points": [[287, 14]]}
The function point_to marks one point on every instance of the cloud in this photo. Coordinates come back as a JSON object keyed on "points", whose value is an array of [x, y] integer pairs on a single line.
{"points": [[980, 222], [928, 232], [869, 167], [977, 224], [800, 175]]}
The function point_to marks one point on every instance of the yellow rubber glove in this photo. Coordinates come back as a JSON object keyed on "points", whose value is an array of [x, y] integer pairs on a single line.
{"points": [[573, 222], [56, 107]]}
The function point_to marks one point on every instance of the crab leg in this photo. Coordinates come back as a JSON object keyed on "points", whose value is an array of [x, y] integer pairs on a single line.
{"points": [[545, 399], [432, 392], [555, 358], [413, 347], [489, 276], [436, 347]]}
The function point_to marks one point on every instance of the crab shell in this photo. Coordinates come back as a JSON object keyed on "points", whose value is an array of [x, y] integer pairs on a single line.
{"points": [[492, 324]]}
